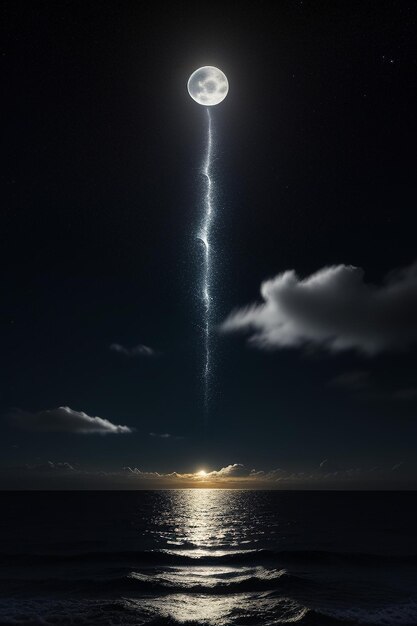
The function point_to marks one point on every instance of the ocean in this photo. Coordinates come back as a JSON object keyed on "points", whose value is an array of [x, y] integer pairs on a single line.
{"points": [[205, 556]]}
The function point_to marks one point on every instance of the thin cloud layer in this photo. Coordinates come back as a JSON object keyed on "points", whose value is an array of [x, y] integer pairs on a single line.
{"points": [[52, 466], [233, 471], [234, 476], [136, 351], [332, 309], [238, 476], [66, 420]]}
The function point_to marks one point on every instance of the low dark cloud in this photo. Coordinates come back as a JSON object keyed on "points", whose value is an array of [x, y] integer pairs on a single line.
{"points": [[398, 466], [329, 467], [136, 351], [409, 393], [51, 466], [354, 380], [65, 420], [334, 309], [166, 436]]}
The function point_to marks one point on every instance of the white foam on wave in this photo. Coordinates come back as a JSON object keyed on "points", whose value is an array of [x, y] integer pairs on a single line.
{"points": [[210, 577], [224, 610]]}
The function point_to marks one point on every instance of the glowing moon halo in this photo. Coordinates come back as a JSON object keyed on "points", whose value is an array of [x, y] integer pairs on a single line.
{"points": [[208, 86]]}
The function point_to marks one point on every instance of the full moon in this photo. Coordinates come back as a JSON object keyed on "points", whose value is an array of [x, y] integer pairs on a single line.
{"points": [[208, 86]]}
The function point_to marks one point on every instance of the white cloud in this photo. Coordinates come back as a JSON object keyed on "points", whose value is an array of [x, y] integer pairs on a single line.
{"points": [[235, 469], [66, 420], [334, 309], [139, 350]]}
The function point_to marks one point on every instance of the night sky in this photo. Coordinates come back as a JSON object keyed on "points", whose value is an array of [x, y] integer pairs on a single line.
{"points": [[100, 267]]}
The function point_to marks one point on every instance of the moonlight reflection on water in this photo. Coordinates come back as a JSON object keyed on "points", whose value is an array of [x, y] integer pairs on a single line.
{"points": [[211, 556]]}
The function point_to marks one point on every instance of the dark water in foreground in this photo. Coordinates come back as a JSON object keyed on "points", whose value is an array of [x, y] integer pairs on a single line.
{"points": [[210, 557]]}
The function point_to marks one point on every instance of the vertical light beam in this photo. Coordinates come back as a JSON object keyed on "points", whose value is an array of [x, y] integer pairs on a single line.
{"points": [[208, 86], [204, 235]]}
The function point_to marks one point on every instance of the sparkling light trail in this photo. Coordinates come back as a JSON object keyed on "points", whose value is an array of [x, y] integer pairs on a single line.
{"points": [[208, 86], [204, 236]]}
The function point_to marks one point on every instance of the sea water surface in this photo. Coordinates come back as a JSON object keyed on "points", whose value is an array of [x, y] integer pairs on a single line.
{"points": [[205, 556]]}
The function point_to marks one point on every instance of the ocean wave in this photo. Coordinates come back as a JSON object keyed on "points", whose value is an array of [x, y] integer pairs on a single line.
{"points": [[167, 581], [399, 613], [260, 580], [253, 610], [175, 610], [171, 557]]}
